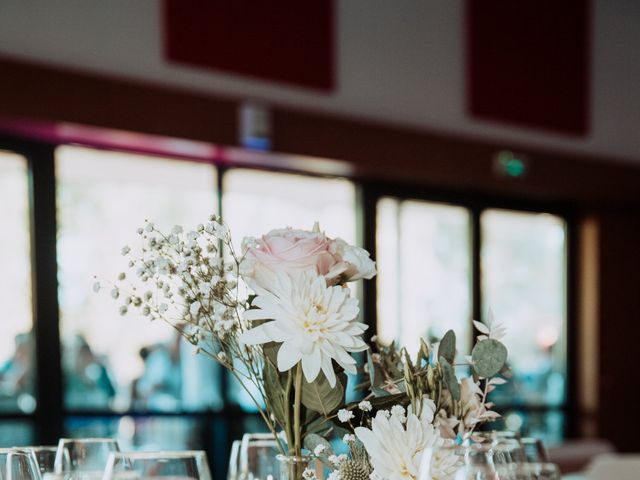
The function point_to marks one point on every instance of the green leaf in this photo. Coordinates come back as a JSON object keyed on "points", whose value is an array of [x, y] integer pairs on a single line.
{"points": [[312, 440], [447, 348], [423, 353], [270, 351], [321, 397], [274, 392], [450, 379], [316, 423], [488, 357], [372, 369], [379, 392], [388, 401]]}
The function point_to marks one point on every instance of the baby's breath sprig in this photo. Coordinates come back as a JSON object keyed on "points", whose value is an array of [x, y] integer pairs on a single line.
{"points": [[189, 280]]}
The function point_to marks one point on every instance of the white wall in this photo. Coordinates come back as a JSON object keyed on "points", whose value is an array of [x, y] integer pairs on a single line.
{"points": [[399, 61]]}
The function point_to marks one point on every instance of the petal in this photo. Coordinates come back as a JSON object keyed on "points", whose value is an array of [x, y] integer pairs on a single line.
{"points": [[256, 336], [327, 368], [311, 364], [288, 356]]}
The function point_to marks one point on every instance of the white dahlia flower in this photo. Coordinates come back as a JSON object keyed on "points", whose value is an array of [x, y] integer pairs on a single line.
{"points": [[315, 324], [396, 444]]}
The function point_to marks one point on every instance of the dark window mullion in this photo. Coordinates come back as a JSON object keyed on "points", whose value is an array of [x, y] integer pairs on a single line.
{"points": [[369, 200], [42, 186], [476, 269]]}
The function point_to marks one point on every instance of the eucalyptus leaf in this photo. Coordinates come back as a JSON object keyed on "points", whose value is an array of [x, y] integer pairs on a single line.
{"points": [[488, 357], [312, 440], [447, 348], [450, 379], [321, 397]]}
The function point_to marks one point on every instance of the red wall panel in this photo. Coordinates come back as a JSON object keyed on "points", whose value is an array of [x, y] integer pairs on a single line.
{"points": [[528, 62], [290, 41]]}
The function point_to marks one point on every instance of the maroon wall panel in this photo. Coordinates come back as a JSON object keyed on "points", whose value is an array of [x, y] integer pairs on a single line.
{"points": [[289, 41], [528, 62]]}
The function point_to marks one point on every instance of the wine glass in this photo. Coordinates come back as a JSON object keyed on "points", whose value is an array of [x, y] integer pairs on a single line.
{"points": [[83, 459], [45, 456], [538, 471], [258, 453], [17, 464], [234, 461], [185, 465], [534, 450], [459, 462], [508, 451]]}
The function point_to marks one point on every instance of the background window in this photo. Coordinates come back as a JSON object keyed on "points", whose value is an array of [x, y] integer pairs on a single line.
{"points": [[424, 275], [16, 342], [255, 202], [523, 263], [112, 362]]}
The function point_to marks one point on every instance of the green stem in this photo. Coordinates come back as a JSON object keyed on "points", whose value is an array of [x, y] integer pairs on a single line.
{"points": [[287, 413], [297, 430]]}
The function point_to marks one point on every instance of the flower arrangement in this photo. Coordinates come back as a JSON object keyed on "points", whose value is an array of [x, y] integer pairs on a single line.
{"points": [[280, 317]]}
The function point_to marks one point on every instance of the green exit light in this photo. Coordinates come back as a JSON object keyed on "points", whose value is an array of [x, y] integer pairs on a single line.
{"points": [[510, 164]]}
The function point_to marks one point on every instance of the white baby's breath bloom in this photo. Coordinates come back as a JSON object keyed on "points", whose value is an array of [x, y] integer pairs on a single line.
{"points": [[96, 287], [319, 449], [125, 250], [139, 231], [122, 276], [399, 412], [349, 438], [222, 357], [395, 449], [345, 415], [334, 475], [315, 324], [115, 293], [177, 230], [194, 308], [123, 310], [309, 474], [163, 307], [334, 460], [365, 406], [149, 227]]}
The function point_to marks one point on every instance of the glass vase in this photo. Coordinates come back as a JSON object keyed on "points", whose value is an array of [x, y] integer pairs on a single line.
{"points": [[292, 467]]}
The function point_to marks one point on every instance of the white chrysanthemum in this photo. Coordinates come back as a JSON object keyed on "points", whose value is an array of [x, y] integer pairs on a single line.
{"points": [[395, 448], [314, 323]]}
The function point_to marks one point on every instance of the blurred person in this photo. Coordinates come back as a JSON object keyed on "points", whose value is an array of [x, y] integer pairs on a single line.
{"points": [[160, 385], [201, 380], [16, 374], [88, 383]]}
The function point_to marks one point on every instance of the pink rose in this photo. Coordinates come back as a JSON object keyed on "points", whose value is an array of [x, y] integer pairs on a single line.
{"points": [[295, 251], [286, 250]]}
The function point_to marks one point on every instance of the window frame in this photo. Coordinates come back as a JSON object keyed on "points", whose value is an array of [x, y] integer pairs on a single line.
{"points": [[50, 414], [476, 203]]}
